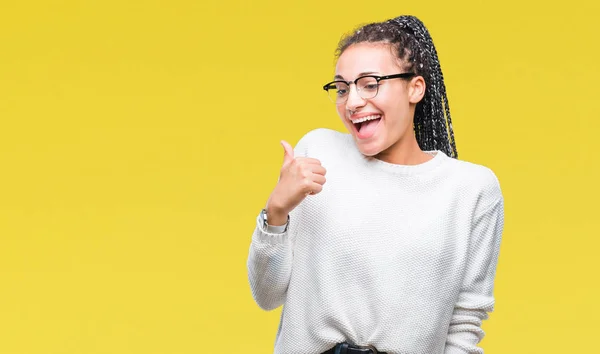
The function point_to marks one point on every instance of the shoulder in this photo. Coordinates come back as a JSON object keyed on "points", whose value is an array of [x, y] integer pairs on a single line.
{"points": [[321, 140], [478, 181]]}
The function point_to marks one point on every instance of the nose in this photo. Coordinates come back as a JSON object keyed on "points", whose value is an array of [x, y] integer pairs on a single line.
{"points": [[354, 100]]}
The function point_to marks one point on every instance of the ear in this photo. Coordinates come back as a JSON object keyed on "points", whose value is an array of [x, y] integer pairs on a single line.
{"points": [[416, 89]]}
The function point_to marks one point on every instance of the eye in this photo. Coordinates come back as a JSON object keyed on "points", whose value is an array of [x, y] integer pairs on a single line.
{"points": [[368, 84], [341, 92], [339, 88]]}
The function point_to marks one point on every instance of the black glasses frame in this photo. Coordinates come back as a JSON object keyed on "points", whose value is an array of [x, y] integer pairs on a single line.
{"points": [[331, 85]]}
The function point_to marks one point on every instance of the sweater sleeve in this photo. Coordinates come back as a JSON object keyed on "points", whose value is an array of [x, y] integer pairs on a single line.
{"points": [[270, 256], [269, 266], [476, 297]]}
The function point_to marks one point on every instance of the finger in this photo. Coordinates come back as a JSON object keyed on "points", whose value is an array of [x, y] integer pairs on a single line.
{"points": [[319, 179], [288, 152], [308, 160], [318, 169], [315, 188]]}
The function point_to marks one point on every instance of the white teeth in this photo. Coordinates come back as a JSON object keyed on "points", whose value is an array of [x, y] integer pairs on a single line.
{"points": [[364, 119]]}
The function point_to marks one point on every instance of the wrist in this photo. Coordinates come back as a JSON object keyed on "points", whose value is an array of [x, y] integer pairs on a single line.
{"points": [[276, 217]]}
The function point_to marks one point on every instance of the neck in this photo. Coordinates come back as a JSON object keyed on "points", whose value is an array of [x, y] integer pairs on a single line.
{"points": [[404, 152]]}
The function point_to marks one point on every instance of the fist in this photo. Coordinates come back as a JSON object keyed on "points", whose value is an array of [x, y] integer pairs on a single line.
{"points": [[299, 177]]}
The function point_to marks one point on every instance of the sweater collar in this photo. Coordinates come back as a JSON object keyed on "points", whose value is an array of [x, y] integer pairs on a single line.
{"points": [[439, 157]]}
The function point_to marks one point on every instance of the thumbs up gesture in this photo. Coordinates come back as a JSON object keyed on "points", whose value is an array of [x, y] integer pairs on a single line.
{"points": [[299, 177]]}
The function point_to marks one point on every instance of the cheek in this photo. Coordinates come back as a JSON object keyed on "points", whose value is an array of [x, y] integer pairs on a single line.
{"points": [[341, 110], [396, 109]]}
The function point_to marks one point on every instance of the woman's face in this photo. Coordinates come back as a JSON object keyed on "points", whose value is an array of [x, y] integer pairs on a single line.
{"points": [[390, 113]]}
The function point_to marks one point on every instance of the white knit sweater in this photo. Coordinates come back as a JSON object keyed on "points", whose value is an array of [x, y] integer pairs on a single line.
{"points": [[400, 257]]}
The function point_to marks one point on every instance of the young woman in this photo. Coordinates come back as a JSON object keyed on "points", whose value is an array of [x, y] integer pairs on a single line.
{"points": [[396, 250]]}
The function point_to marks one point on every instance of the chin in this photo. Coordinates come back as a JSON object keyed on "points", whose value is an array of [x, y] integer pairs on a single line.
{"points": [[368, 149], [371, 146]]}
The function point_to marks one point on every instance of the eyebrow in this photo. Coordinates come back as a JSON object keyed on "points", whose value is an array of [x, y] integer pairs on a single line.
{"points": [[359, 75]]}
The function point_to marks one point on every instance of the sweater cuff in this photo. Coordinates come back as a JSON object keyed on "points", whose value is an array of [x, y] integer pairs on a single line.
{"points": [[271, 235], [276, 229]]}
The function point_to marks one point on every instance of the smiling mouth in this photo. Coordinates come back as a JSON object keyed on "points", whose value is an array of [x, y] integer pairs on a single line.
{"points": [[366, 126]]}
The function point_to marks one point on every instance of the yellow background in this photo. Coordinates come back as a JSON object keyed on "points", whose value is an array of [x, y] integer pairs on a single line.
{"points": [[139, 140]]}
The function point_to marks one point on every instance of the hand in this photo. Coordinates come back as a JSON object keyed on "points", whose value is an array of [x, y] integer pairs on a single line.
{"points": [[299, 177]]}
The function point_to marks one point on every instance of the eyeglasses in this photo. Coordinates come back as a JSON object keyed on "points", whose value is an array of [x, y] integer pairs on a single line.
{"points": [[366, 86]]}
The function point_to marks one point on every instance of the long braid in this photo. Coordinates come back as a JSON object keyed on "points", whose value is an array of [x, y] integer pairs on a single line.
{"points": [[432, 121]]}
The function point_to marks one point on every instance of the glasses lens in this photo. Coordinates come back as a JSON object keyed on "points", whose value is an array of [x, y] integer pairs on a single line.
{"points": [[367, 87], [338, 92]]}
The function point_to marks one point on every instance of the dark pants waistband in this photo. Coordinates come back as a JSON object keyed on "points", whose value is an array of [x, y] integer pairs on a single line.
{"points": [[345, 348]]}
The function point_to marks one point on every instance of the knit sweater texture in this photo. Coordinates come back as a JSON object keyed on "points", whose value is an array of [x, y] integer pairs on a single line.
{"points": [[401, 257]]}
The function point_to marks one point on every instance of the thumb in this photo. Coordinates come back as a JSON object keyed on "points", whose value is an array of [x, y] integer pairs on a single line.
{"points": [[288, 152]]}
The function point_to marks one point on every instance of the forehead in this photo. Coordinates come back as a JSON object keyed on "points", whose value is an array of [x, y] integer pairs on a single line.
{"points": [[366, 57]]}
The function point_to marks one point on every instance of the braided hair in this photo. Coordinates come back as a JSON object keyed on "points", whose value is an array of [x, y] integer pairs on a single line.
{"points": [[414, 47]]}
